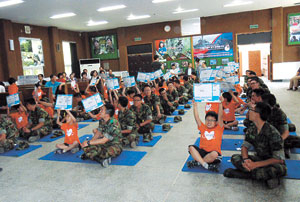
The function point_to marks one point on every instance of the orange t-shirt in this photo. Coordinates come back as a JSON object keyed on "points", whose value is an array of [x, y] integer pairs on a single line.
{"points": [[212, 106], [83, 96], [181, 82], [116, 115], [241, 102], [21, 119], [211, 138], [49, 110], [238, 88], [13, 89], [130, 102], [39, 93], [229, 110], [71, 133], [105, 92], [156, 92]]}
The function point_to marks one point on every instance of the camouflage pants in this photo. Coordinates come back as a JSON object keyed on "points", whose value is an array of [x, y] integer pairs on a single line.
{"points": [[146, 129], [168, 110], [160, 120], [43, 131], [101, 151], [7, 145], [128, 138], [183, 100], [262, 173]]}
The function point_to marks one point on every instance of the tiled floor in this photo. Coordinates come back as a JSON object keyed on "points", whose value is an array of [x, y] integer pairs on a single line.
{"points": [[157, 177]]}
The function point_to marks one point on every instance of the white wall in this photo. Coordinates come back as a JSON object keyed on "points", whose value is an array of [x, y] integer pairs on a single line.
{"points": [[285, 70]]}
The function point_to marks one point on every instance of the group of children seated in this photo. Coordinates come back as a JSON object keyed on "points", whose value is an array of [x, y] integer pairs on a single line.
{"points": [[267, 132]]}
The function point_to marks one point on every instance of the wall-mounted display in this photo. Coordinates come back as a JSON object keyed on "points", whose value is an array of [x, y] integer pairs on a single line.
{"points": [[104, 47], [294, 29], [32, 56]]}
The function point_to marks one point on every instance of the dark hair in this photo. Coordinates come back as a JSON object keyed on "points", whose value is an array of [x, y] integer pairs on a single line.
{"points": [[259, 92], [146, 86], [83, 73], [255, 78], [59, 74], [194, 74], [93, 89], [161, 90], [11, 80], [130, 91], [155, 57], [138, 95], [263, 109], [77, 95], [177, 81], [92, 72], [15, 107], [212, 114], [51, 76], [235, 94], [185, 77], [170, 82], [102, 72], [197, 60], [41, 75], [173, 64], [110, 109], [227, 96], [37, 84], [123, 101], [269, 99], [2, 84], [252, 72], [30, 101]]}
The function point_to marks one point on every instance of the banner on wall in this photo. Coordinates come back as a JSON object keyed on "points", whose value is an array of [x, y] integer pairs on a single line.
{"points": [[104, 47], [213, 45]]}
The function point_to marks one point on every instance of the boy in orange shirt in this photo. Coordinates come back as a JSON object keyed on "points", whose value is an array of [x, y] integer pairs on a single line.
{"points": [[208, 154], [20, 118], [71, 134], [229, 102], [12, 88], [38, 92]]}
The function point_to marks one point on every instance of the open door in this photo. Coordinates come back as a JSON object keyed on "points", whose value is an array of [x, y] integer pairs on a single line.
{"points": [[255, 62], [74, 60]]}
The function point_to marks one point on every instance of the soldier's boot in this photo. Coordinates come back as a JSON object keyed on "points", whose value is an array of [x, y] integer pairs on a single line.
{"points": [[292, 127], [84, 156], [235, 173], [181, 111], [166, 127], [34, 138], [147, 137], [273, 183], [104, 162], [177, 119], [287, 153], [2, 150], [22, 145], [162, 119], [175, 104], [187, 106]]}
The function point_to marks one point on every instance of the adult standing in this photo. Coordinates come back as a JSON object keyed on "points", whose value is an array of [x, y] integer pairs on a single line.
{"points": [[156, 65]]}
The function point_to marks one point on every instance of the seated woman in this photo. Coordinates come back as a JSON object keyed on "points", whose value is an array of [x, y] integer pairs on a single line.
{"points": [[294, 81]]}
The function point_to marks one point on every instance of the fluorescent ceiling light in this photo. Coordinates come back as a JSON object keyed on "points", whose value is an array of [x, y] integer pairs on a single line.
{"points": [[63, 15], [133, 17], [92, 23], [10, 3], [238, 3], [110, 8], [160, 1], [180, 10]]}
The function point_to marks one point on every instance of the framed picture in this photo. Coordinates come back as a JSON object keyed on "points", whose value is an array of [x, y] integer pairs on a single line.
{"points": [[225, 61], [294, 29], [213, 62], [104, 47]]}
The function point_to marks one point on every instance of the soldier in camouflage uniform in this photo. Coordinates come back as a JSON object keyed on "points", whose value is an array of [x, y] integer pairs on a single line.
{"points": [[189, 87], [143, 118], [268, 164], [278, 119], [165, 102], [8, 135], [39, 122], [254, 84], [127, 120], [79, 109], [182, 92], [153, 102], [174, 94], [106, 142]]}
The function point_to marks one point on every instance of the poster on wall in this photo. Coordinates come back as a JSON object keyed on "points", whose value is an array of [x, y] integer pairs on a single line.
{"points": [[32, 56], [104, 47], [213, 45], [294, 29], [174, 50]]}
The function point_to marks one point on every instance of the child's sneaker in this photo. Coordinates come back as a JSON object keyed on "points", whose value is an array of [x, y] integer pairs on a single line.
{"points": [[105, 163], [59, 151], [214, 167], [234, 128], [75, 150], [192, 164]]}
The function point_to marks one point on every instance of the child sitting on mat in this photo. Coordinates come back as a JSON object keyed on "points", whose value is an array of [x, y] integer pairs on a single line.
{"points": [[208, 154], [229, 102], [71, 134]]}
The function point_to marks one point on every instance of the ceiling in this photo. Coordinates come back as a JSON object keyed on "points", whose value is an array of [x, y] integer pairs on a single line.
{"points": [[37, 12]]}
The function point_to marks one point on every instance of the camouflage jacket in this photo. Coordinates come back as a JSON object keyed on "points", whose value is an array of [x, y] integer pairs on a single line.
{"points": [[152, 102], [111, 130], [143, 114], [189, 88], [8, 127], [39, 115], [182, 91], [278, 119], [267, 144], [174, 95], [127, 120]]}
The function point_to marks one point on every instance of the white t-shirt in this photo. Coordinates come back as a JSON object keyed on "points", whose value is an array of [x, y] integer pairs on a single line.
{"points": [[2, 89]]}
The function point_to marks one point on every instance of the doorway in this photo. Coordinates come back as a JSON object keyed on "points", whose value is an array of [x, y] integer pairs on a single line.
{"points": [[70, 58], [139, 58]]}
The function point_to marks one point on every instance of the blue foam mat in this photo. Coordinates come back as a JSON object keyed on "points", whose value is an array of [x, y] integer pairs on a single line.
{"points": [[190, 102], [126, 158], [182, 107], [16, 153], [81, 125], [292, 167], [158, 129], [289, 120], [228, 144], [175, 113], [231, 132], [149, 144], [89, 120]]}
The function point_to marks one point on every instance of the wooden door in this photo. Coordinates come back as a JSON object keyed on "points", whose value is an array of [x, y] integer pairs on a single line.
{"points": [[255, 62]]}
